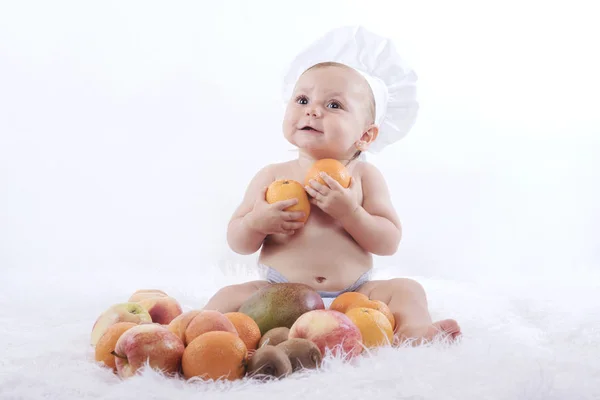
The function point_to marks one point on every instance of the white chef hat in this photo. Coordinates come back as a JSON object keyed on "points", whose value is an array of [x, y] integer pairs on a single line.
{"points": [[374, 57]]}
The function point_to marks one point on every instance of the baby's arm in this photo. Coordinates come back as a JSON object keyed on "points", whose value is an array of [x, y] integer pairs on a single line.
{"points": [[255, 219], [241, 238], [375, 226]]}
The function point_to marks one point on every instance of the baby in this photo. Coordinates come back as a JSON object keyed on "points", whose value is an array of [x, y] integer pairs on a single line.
{"points": [[331, 114]]}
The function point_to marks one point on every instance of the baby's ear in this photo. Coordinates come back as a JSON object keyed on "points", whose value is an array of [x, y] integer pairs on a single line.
{"points": [[367, 138]]}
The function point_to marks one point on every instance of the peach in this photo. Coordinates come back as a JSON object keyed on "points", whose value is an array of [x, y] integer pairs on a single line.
{"points": [[146, 294], [162, 309], [122, 312], [329, 329], [152, 343], [208, 321], [181, 322], [106, 344]]}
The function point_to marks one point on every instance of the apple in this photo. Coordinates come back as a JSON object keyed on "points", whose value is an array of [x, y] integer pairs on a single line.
{"points": [[146, 294], [162, 309], [329, 329], [152, 343], [122, 312]]}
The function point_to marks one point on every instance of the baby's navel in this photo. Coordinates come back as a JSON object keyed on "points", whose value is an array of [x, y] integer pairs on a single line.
{"points": [[320, 279]]}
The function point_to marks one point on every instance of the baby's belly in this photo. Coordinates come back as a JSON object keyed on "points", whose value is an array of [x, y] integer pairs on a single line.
{"points": [[322, 257]]}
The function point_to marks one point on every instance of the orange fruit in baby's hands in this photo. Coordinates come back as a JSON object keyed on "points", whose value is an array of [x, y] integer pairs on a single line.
{"points": [[285, 189], [246, 327], [374, 327], [215, 355], [349, 300], [331, 167]]}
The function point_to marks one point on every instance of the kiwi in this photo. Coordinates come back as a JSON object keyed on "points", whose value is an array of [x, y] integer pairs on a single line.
{"points": [[274, 336], [269, 361], [302, 353]]}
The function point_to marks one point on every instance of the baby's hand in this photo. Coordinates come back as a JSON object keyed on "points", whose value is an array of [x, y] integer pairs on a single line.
{"points": [[332, 197], [269, 219]]}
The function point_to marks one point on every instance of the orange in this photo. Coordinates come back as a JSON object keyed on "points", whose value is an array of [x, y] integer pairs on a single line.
{"points": [[349, 300], [343, 302], [247, 329], [374, 327], [285, 189], [384, 309], [333, 168], [106, 344], [215, 355]]}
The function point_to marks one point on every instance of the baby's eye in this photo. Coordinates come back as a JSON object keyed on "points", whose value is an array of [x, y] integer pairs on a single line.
{"points": [[301, 100], [334, 104]]}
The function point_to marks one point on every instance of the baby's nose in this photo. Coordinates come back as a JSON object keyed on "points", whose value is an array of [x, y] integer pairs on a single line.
{"points": [[313, 112]]}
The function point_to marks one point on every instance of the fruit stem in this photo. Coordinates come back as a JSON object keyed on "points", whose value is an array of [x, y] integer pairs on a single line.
{"points": [[114, 353]]}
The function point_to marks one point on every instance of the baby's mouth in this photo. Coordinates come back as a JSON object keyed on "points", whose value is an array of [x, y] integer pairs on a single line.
{"points": [[310, 129]]}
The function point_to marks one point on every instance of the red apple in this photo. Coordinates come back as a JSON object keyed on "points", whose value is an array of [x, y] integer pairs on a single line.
{"points": [[163, 309], [329, 329], [152, 343]]}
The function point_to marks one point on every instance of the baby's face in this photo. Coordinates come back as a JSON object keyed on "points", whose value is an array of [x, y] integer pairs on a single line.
{"points": [[328, 112]]}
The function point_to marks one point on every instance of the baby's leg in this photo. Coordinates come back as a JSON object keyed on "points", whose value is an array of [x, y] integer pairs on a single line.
{"points": [[230, 298], [407, 301]]}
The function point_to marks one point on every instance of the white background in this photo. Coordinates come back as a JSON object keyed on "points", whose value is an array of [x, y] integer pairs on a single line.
{"points": [[129, 130]]}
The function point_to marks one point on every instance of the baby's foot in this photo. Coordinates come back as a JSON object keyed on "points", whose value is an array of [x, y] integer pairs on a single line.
{"points": [[447, 329]]}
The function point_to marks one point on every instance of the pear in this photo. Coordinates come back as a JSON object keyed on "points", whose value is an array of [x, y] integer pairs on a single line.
{"points": [[281, 304]]}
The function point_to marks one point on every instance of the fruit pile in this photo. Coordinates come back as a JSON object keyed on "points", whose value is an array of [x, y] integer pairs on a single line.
{"points": [[281, 329]]}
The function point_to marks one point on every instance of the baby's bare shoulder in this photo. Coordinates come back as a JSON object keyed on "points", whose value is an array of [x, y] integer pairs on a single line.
{"points": [[282, 166], [273, 169], [364, 169], [282, 170]]}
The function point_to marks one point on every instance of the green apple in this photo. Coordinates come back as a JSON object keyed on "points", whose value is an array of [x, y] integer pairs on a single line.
{"points": [[122, 312]]}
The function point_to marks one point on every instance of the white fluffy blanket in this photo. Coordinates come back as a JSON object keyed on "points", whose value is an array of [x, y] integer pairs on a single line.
{"points": [[537, 340]]}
